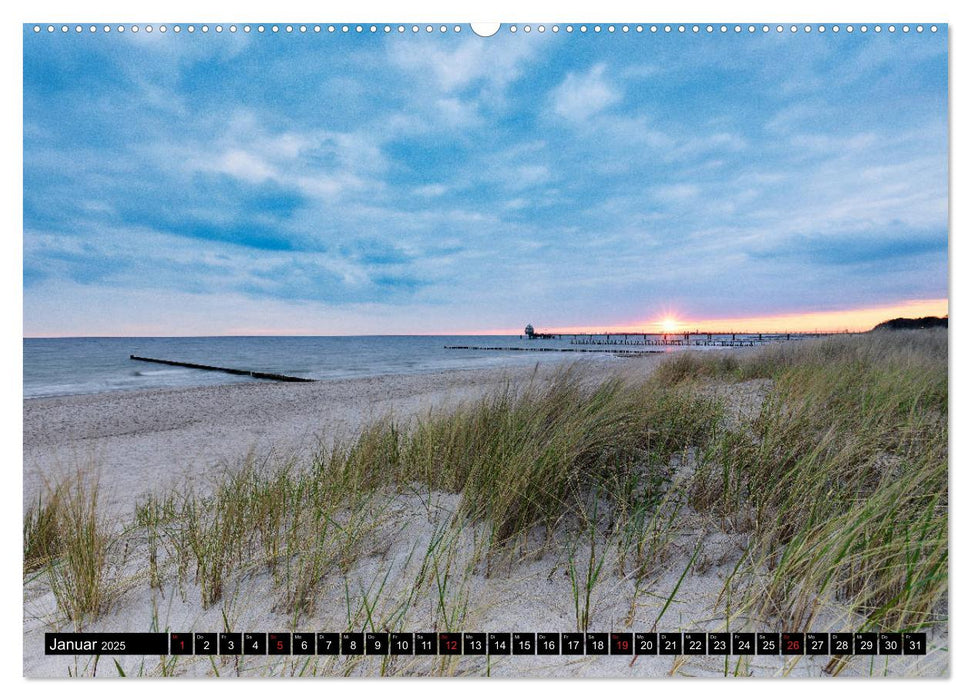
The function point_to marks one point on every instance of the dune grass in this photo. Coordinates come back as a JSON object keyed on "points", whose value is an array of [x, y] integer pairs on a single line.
{"points": [[839, 485], [842, 479], [534, 457], [42, 529], [523, 458], [67, 539]]}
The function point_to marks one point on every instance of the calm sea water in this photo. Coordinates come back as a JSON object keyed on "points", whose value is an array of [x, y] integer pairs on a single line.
{"points": [[63, 366]]}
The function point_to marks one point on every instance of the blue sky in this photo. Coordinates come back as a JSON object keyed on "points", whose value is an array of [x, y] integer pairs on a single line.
{"points": [[331, 184]]}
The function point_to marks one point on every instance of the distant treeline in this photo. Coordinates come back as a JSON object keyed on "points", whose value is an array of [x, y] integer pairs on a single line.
{"points": [[899, 324]]}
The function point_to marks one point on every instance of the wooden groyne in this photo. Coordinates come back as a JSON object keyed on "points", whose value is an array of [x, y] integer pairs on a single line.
{"points": [[227, 370], [613, 352]]}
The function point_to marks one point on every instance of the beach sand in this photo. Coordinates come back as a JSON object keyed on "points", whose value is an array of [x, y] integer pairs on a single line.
{"points": [[145, 442]]}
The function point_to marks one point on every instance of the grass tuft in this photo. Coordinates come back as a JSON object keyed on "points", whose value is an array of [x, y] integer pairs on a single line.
{"points": [[43, 522], [66, 535]]}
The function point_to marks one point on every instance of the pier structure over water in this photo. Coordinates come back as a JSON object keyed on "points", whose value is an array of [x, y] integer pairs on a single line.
{"points": [[533, 335], [695, 338], [733, 340]]}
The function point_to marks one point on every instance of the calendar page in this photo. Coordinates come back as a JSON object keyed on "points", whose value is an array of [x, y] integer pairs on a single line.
{"points": [[519, 350]]}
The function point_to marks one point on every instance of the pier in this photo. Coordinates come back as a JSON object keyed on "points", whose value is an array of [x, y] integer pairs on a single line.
{"points": [[626, 353], [227, 370], [723, 339]]}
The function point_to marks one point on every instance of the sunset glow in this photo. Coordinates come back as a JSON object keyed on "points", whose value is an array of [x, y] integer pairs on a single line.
{"points": [[841, 320], [669, 325], [853, 320]]}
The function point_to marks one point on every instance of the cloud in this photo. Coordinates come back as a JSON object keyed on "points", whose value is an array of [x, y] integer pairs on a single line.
{"points": [[243, 165], [580, 96], [433, 190], [446, 84], [529, 175], [423, 180], [457, 66], [320, 164], [454, 113], [883, 250], [675, 194]]}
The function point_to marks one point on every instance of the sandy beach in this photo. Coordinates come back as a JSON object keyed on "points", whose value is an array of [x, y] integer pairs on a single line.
{"points": [[140, 441], [401, 575]]}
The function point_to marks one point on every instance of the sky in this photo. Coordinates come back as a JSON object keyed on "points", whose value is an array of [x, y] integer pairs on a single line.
{"points": [[331, 184]]}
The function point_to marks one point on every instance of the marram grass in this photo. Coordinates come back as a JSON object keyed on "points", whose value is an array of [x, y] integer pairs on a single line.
{"points": [[839, 484], [67, 538], [843, 480]]}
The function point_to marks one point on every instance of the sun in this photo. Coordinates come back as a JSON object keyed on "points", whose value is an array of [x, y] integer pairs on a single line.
{"points": [[669, 325]]}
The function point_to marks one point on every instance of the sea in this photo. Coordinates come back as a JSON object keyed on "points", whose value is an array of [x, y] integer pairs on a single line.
{"points": [[69, 366], [66, 366]]}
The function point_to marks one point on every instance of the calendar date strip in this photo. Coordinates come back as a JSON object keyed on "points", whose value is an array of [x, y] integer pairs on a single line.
{"points": [[487, 643]]}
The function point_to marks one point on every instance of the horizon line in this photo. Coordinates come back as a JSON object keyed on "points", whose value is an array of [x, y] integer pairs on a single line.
{"points": [[503, 333], [857, 320]]}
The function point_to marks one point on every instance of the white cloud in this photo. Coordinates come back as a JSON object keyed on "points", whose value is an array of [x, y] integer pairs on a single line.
{"points": [[796, 114], [641, 71], [328, 186], [529, 175], [517, 167], [677, 193], [355, 151], [693, 147], [433, 190], [322, 164], [579, 97], [823, 143], [453, 86], [455, 113], [495, 62], [244, 166]]}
